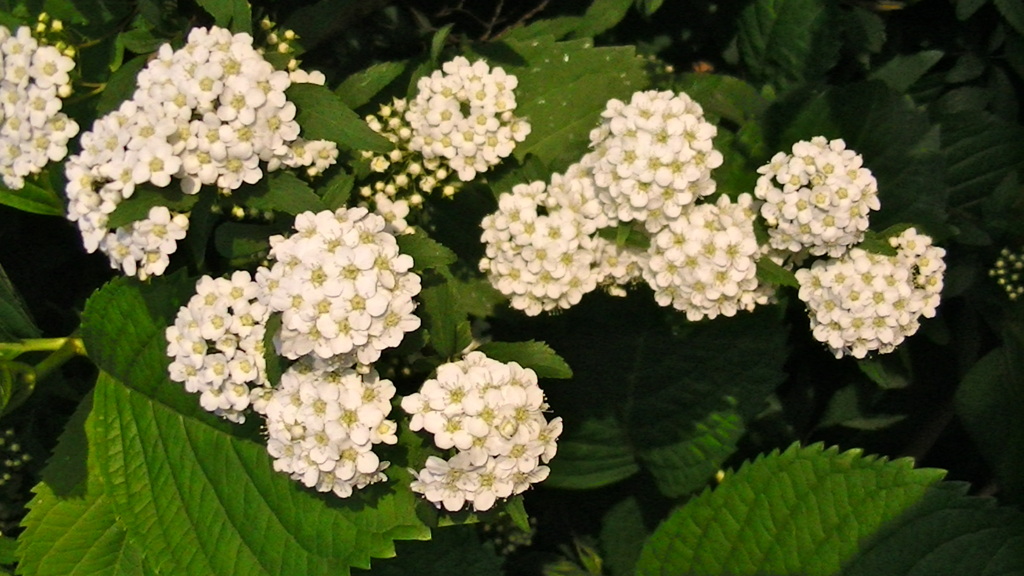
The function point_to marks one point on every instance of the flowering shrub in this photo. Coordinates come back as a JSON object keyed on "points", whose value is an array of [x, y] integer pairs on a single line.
{"points": [[545, 288]]}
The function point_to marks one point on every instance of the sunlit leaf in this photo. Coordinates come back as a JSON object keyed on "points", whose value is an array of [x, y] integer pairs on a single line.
{"points": [[537, 356], [799, 512], [426, 252], [563, 88], [600, 16], [34, 199], [322, 115], [359, 88], [71, 528]]}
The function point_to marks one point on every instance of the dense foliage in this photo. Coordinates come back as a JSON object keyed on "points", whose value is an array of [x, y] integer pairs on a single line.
{"points": [[567, 288]]}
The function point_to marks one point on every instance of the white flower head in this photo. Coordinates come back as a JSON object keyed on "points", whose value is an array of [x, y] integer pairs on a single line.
{"points": [[216, 344], [33, 130], [323, 422], [342, 286], [817, 198], [491, 414], [652, 157], [464, 114], [864, 302], [212, 113]]}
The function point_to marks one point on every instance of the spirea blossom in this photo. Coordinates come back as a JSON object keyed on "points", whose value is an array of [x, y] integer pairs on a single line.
{"points": [[705, 262], [465, 114], [33, 130], [817, 198], [539, 249], [213, 113], [652, 157], [144, 247], [216, 344], [344, 290], [862, 302], [491, 414], [323, 422]]}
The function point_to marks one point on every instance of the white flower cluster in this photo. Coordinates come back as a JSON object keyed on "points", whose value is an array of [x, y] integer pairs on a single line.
{"points": [[653, 157], [33, 130], [864, 301], [213, 113], [464, 113], [543, 261], [343, 288], [817, 198], [651, 165], [491, 413], [144, 247], [323, 422], [705, 262], [216, 344]]}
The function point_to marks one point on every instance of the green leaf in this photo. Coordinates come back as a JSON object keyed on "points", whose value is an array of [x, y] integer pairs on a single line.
{"points": [[446, 322], [592, 453], [437, 43], [803, 511], [724, 96], [863, 31], [121, 85], [516, 511], [881, 371], [623, 533], [844, 409], [322, 115], [563, 88], [233, 14], [71, 528], [15, 321], [904, 70], [768, 272], [1013, 12], [601, 15], [649, 7], [687, 465], [537, 356], [201, 501], [34, 199], [8, 549], [989, 402], [899, 144], [359, 88], [946, 533], [146, 197], [282, 192], [426, 252], [556, 28], [966, 8], [123, 327], [140, 40], [981, 149], [234, 240], [453, 548], [787, 42], [654, 385], [335, 193]]}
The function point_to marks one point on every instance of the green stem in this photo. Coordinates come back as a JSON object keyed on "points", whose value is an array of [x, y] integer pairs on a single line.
{"points": [[63, 349], [70, 348], [32, 345]]}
